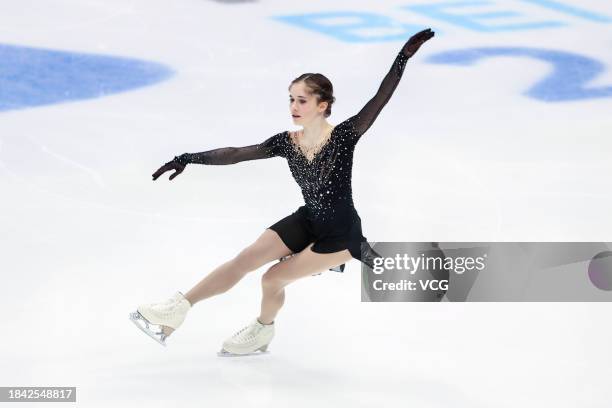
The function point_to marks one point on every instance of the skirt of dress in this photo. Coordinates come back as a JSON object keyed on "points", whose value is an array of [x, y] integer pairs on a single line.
{"points": [[298, 231]]}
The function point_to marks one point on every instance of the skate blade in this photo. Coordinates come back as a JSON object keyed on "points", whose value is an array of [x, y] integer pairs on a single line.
{"points": [[143, 325], [260, 351]]}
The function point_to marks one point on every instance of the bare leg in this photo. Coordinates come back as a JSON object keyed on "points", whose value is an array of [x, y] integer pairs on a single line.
{"points": [[220, 280], [268, 247], [283, 273], [271, 302]]}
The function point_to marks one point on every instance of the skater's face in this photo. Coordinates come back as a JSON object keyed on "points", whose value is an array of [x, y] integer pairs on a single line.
{"points": [[303, 105]]}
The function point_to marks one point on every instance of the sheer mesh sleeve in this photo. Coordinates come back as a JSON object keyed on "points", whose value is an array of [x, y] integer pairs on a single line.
{"points": [[271, 147], [367, 115]]}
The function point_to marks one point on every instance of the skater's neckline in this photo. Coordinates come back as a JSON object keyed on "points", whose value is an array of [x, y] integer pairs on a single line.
{"points": [[318, 148]]}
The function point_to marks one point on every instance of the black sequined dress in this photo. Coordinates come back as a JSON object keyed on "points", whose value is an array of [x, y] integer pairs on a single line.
{"points": [[328, 218]]}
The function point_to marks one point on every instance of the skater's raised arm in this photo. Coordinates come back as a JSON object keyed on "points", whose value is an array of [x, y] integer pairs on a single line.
{"points": [[226, 155], [367, 115]]}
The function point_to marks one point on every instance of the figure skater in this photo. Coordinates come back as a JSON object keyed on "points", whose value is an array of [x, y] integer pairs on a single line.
{"points": [[322, 234]]}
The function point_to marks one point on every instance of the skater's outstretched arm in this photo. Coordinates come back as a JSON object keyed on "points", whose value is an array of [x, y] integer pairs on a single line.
{"points": [[226, 155], [367, 115]]}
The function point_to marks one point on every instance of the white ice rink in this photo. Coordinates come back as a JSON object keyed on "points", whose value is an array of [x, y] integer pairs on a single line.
{"points": [[511, 146]]}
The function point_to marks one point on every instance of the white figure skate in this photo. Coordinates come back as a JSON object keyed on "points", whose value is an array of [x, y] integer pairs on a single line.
{"points": [[249, 340], [170, 313]]}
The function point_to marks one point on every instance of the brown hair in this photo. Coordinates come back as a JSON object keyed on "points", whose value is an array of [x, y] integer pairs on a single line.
{"points": [[318, 85]]}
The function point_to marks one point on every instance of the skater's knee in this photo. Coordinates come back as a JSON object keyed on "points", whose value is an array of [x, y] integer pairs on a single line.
{"points": [[267, 279], [272, 279]]}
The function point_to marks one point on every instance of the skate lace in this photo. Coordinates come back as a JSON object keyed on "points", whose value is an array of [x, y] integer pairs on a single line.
{"points": [[167, 308], [168, 303], [246, 334]]}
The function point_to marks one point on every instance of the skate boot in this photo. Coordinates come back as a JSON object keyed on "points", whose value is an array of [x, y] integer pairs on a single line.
{"points": [[159, 320], [247, 341]]}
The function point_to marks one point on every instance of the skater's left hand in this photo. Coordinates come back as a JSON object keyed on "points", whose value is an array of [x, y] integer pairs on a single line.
{"points": [[415, 42]]}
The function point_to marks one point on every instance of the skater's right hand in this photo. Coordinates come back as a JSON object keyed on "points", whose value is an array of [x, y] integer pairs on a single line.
{"points": [[176, 164]]}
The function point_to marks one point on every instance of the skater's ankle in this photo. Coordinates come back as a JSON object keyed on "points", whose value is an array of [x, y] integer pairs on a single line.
{"points": [[265, 324], [190, 301]]}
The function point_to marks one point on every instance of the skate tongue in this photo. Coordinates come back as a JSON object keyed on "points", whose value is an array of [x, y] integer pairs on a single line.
{"points": [[178, 296]]}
